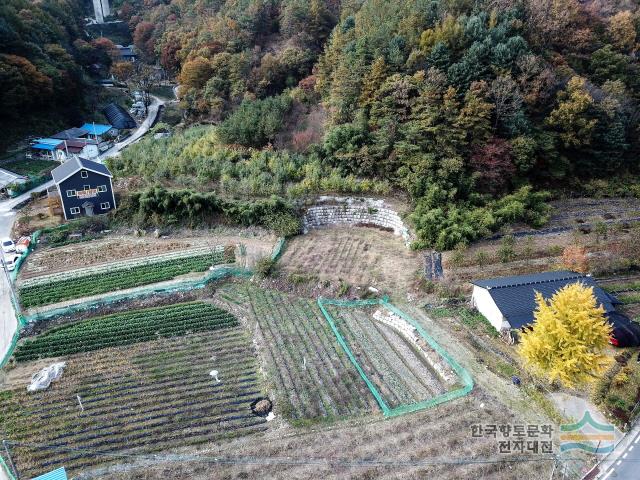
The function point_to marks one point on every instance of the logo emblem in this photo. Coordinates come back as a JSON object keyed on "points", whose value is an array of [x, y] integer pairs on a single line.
{"points": [[588, 435]]}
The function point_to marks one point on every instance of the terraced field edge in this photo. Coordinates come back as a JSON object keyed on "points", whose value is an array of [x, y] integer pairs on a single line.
{"points": [[464, 376]]}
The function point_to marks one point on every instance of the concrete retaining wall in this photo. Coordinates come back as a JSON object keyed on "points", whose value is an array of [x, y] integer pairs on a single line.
{"points": [[354, 211]]}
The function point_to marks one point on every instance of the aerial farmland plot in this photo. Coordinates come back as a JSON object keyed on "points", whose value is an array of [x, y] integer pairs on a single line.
{"points": [[134, 382], [403, 367], [356, 255], [311, 375]]}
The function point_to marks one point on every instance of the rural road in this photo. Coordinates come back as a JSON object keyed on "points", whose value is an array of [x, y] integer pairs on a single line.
{"points": [[8, 320], [623, 463], [143, 128]]}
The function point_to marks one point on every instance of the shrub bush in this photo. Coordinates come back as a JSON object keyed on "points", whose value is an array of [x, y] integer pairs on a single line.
{"points": [[283, 224], [265, 267], [256, 122]]}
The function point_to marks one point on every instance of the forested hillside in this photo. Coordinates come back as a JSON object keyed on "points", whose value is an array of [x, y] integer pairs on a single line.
{"points": [[470, 107], [43, 53]]}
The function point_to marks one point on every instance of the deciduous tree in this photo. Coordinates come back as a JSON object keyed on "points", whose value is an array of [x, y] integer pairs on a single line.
{"points": [[571, 117], [493, 163], [567, 338]]}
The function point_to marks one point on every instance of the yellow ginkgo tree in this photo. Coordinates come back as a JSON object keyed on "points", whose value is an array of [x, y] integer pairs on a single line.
{"points": [[567, 338]]}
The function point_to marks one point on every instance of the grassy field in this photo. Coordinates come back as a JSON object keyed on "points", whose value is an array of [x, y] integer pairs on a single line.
{"points": [[149, 396], [358, 256], [618, 390], [312, 376]]}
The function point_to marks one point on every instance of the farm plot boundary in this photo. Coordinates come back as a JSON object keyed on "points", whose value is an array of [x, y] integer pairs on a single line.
{"points": [[463, 375]]}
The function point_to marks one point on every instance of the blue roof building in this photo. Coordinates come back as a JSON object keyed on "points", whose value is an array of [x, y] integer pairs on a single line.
{"points": [[57, 474], [46, 143], [96, 128]]}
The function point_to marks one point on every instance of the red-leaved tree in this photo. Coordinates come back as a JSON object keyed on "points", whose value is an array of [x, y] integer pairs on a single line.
{"points": [[494, 164]]}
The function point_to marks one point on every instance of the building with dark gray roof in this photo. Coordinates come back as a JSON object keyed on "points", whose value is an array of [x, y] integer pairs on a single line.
{"points": [[119, 117], [71, 134], [85, 188], [510, 302]]}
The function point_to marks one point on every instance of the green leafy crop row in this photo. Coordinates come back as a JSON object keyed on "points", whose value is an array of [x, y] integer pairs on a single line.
{"points": [[125, 329], [58, 291]]}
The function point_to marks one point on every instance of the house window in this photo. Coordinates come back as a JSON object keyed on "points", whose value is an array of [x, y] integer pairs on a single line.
{"points": [[105, 206], [87, 187], [102, 188], [71, 193], [74, 210], [84, 174]]}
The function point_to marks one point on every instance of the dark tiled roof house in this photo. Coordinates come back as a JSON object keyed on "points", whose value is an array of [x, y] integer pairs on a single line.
{"points": [[85, 188], [509, 302]]}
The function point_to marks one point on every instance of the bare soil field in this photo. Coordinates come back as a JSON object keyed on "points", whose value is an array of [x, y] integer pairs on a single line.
{"points": [[35, 216], [416, 446], [356, 255], [399, 372], [574, 211], [532, 254], [118, 247], [308, 372]]}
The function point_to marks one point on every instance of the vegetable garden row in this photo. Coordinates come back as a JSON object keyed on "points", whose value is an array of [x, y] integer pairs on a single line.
{"points": [[124, 329], [397, 369], [311, 373], [32, 295], [138, 398], [126, 264]]}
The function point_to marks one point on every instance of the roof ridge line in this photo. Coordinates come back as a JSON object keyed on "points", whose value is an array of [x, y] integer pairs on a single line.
{"points": [[510, 285]]}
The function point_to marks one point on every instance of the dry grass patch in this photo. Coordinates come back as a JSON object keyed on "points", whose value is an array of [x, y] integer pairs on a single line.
{"points": [[355, 255]]}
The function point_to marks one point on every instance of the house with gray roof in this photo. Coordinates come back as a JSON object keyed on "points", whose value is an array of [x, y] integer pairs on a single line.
{"points": [[509, 303], [85, 188]]}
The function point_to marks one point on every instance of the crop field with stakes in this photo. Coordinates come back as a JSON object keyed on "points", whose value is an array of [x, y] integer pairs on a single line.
{"points": [[400, 373], [312, 375], [107, 278], [138, 398]]}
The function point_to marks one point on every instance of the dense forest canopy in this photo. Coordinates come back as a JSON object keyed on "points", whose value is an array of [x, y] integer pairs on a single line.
{"points": [[471, 108], [45, 56]]}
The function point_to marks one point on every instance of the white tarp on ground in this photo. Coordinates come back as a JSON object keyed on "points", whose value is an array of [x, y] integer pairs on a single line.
{"points": [[42, 379]]}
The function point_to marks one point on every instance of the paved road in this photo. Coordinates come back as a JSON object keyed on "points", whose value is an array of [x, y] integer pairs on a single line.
{"points": [[153, 110], [624, 462]]}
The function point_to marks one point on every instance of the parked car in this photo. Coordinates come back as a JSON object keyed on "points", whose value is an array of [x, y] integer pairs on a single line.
{"points": [[23, 244], [8, 246], [10, 262]]}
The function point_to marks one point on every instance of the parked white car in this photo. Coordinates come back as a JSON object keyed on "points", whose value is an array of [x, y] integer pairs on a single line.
{"points": [[10, 262], [8, 246]]}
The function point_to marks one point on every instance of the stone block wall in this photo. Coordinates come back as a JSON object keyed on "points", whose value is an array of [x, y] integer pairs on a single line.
{"points": [[354, 211]]}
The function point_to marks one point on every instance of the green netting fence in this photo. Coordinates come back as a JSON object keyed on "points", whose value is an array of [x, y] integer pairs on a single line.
{"points": [[185, 285], [463, 375], [278, 249]]}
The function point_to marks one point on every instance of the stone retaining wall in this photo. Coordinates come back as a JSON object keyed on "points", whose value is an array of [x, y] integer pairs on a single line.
{"points": [[355, 211]]}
